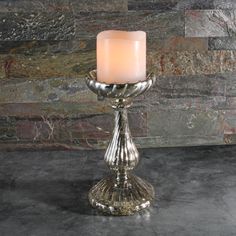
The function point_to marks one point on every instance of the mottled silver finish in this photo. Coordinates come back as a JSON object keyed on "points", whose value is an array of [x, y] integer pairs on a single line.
{"points": [[119, 91], [122, 193]]}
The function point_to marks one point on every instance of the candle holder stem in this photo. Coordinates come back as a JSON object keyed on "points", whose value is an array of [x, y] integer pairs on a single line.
{"points": [[121, 155], [122, 193]]}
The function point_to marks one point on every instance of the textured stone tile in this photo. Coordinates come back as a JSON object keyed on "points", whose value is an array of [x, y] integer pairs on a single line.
{"points": [[46, 47], [188, 92], [60, 77], [36, 26], [229, 126], [229, 122], [222, 43], [54, 133], [87, 45], [230, 104], [53, 109], [26, 130], [101, 126], [180, 123], [180, 4], [34, 5], [210, 23], [68, 109], [231, 85], [99, 5], [170, 4], [177, 44], [151, 4], [156, 24], [195, 4], [224, 4], [50, 90], [62, 5], [41, 66], [141, 142], [188, 87], [44, 130], [229, 138], [91, 127], [179, 141], [38, 72], [7, 129], [158, 102], [191, 63]]}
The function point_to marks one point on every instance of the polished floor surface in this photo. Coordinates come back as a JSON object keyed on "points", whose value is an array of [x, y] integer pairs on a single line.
{"points": [[45, 193]]}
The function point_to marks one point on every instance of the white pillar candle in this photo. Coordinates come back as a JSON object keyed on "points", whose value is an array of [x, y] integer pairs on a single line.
{"points": [[121, 56]]}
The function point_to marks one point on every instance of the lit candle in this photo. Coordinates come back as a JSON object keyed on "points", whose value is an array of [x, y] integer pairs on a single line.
{"points": [[121, 56]]}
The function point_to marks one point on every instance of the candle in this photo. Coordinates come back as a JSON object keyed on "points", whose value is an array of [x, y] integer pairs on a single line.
{"points": [[121, 56]]}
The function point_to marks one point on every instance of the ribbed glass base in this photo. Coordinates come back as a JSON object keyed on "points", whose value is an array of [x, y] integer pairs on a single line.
{"points": [[117, 199]]}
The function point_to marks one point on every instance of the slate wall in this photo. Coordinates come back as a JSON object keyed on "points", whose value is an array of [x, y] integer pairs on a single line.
{"points": [[47, 47]]}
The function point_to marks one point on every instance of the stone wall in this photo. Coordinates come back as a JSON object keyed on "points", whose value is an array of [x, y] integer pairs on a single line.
{"points": [[47, 47]]}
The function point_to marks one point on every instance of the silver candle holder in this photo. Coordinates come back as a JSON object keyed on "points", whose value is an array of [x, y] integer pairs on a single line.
{"points": [[122, 193]]}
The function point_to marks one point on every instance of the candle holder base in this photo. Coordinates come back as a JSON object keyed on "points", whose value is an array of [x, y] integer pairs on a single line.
{"points": [[110, 198]]}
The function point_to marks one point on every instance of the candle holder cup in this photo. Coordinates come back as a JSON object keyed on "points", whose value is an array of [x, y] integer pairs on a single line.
{"points": [[122, 193]]}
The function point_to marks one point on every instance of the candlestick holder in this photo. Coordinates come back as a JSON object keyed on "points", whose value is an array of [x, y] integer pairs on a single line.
{"points": [[122, 193]]}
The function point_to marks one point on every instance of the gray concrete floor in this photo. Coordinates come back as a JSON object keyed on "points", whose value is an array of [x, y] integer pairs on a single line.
{"points": [[45, 193]]}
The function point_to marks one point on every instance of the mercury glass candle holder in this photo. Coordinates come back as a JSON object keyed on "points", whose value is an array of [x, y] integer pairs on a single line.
{"points": [[121, 193]]}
